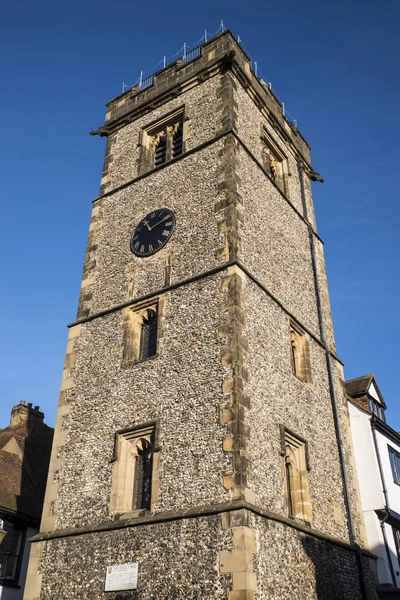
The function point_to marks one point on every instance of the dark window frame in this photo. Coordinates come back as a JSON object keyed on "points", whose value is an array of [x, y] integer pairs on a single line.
{"points": [[149, 335], [396, 536], [14, 580], [376, 408], [143, 477], [394, 458]]}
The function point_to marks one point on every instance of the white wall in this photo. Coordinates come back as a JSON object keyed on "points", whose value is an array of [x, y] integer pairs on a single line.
{"points": [[369, 480], [393, 488], [371, 490], [11, 593]]}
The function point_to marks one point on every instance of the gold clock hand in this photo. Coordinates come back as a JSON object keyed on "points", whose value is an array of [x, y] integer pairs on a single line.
{"points": [[147, 225], [164, 219]]}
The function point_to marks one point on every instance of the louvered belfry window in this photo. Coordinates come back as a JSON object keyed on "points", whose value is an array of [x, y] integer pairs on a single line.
{"points": [[177, 141], [143, 476], [166, 140], [148, 339], [160, 152]]}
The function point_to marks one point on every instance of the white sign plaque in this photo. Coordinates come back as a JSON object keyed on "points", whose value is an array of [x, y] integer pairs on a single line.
{"points": [[122, 577]]}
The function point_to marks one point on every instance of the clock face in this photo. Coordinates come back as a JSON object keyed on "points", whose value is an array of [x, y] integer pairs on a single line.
{"points": [[153, 232]]}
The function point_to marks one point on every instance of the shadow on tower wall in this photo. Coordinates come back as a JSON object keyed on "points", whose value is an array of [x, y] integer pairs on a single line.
{"points": [[337, 571]]}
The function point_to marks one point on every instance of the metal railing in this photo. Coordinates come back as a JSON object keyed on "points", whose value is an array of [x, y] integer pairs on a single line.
{"points": [[258, 74], [192, 54], [144, 83]]}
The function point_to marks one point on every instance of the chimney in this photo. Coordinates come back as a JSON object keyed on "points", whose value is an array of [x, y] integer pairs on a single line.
{"points": [[20, 413]]}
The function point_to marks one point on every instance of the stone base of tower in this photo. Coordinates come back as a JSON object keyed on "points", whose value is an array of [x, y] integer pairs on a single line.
{"points": [[234, 555]]}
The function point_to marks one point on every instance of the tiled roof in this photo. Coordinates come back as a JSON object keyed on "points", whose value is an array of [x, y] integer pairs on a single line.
{"points": [[359, 385], [24, 459]]}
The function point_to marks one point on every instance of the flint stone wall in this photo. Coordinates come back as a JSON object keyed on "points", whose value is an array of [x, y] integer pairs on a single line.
{"points": [[204, 112], [266, 207], [249, 125], [278, 397], [182, 387], [189, 187], [178, 560], [291, 564], [275, 244]]}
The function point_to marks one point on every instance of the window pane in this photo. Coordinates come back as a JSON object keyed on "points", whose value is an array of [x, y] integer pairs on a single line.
{"points": [[6, 543], [10, 549], [8, 566], [143, 473], [16, 542], [392, 457], [149, 337]]}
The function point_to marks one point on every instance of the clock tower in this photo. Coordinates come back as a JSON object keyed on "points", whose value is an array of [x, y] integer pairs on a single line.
{"points": [[201, 449]]}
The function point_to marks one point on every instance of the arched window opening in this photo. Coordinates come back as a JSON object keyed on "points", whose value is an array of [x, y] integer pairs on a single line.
{"points": [[294, 355], [143, 476], [299, 353], [148, 338], [275, 163], [162, 141], [289, 490], [140, 332], [296, 466], [135, 471]]}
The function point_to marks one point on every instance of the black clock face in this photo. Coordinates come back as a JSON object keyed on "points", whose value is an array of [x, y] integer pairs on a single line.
{"points": [[153, 232]]}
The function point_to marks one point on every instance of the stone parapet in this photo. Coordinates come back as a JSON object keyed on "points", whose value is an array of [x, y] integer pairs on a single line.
{"points": [[221, 53]]}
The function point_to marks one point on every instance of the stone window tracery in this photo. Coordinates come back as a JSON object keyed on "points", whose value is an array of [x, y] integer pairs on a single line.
{"points": [[148, 333], [300, 353], [135, 471], [275, 163], [162, 141], [140, 333], [296, 466]]}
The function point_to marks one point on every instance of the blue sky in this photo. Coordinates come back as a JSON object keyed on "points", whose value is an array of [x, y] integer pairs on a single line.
{"points": [[335, 65]]}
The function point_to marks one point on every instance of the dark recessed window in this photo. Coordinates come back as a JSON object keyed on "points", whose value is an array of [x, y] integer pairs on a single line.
{"points": [[162, 141], [148, 338], [160, 152], [376, 408], [395, 464], [10, 553], [143, 476]]}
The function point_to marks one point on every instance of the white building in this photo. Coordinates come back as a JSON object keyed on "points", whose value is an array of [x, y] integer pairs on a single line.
{"points": [[377, 456]]}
